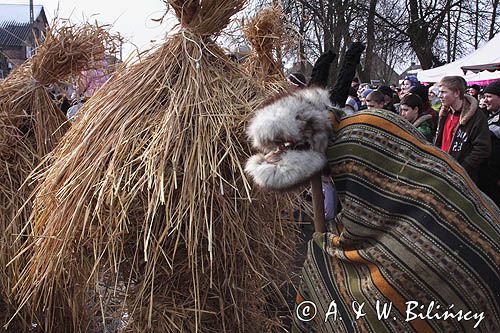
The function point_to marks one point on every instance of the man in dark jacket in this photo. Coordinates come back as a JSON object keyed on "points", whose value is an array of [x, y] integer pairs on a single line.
{"points": [[388, 98], [462, 129], [489, 177]]}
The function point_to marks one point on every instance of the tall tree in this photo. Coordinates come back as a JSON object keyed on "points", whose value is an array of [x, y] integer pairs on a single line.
{"points": [[493, 19], [395, 31], [370, 41]]}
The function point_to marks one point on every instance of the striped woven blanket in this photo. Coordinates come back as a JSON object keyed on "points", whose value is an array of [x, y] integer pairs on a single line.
{"points": [[415, 247]]}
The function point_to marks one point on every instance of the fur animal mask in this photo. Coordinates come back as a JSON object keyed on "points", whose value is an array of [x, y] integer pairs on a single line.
{"points": [[292, 135]]}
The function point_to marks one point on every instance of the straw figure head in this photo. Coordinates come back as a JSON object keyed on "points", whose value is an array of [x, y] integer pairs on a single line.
{"points": [[65, 52], [76, 48], [31, 125], [145, 210], [206, 17], [266, 34]]}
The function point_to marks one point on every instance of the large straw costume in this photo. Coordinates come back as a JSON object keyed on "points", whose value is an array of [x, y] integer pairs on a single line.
{"points": [[413, 226], [145, 210], [31, 124]]}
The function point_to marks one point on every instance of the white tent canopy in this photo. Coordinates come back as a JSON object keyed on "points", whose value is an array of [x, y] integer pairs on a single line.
{"points": [[488, 53]]}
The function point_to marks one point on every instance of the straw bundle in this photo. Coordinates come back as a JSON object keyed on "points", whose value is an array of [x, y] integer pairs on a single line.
{"points": [[266, 34], [31, 124], [145, 211]]}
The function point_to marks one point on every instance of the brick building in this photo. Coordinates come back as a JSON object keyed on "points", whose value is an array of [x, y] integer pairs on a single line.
{"points": [[18, 35]]}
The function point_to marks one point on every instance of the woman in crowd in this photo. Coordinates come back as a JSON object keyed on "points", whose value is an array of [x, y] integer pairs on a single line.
{"points": [[434, 100], [423, 92], [412, 109], [408, 83], [473, 91]]}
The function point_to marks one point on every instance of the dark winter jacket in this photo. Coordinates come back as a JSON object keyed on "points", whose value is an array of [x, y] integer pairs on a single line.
{"points": [[471, 143], [489, 177]]}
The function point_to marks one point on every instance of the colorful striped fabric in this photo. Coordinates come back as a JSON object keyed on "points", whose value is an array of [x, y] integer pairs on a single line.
{"points": [[415, 238]]}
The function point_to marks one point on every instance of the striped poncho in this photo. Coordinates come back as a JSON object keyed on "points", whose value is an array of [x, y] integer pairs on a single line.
{"points": [[415, 247]]}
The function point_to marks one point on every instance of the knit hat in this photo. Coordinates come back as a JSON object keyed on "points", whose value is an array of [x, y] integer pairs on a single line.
{"points": [[476, 87], [413, 79], [493, 88], [298, 79], [366, 92], [434, 89]]}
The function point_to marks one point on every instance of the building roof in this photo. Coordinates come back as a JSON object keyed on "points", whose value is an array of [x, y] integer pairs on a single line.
{"points": [[382, 70], [18, 13], [13, 34], [413, 70], [15, 23]]}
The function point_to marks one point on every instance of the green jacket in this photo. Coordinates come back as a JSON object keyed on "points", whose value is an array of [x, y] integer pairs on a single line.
{"points": [[424, 125]]}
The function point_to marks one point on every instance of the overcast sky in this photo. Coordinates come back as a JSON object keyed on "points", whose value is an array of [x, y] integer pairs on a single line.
{"points": [[132, 18]]}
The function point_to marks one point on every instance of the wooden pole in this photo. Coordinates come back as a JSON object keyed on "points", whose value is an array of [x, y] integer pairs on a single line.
{"points": [[318, 204]]}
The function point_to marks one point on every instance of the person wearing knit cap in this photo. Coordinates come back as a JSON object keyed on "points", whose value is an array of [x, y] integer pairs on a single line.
{"points": [[473, 90], [462, 129], [493, 89], [388, 98], [434, 99], [362, 98], [489, 176], [408, 82]]}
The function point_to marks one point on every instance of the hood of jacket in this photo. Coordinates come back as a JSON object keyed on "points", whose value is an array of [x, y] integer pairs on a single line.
{"points": [[469, 108], [421, 119]]}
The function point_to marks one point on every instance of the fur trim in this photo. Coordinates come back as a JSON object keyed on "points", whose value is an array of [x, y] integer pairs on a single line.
{"points": [[294, 168], [300, 118], [421, 119], [468, 110]]}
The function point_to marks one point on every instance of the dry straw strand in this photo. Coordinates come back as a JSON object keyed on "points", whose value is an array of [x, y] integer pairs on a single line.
{"points": [[145, 209]]}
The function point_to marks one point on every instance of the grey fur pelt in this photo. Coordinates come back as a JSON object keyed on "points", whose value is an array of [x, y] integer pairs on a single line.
{"points": [[295, 167], [301, 118], [300, 121]]}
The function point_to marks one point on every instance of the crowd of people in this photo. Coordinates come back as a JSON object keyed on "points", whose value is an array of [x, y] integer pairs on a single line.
{"points": [[407, 205], [462, 120], [71, 97]]}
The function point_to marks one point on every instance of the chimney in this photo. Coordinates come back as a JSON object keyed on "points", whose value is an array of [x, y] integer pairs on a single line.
{"points": [[32, 14]]}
